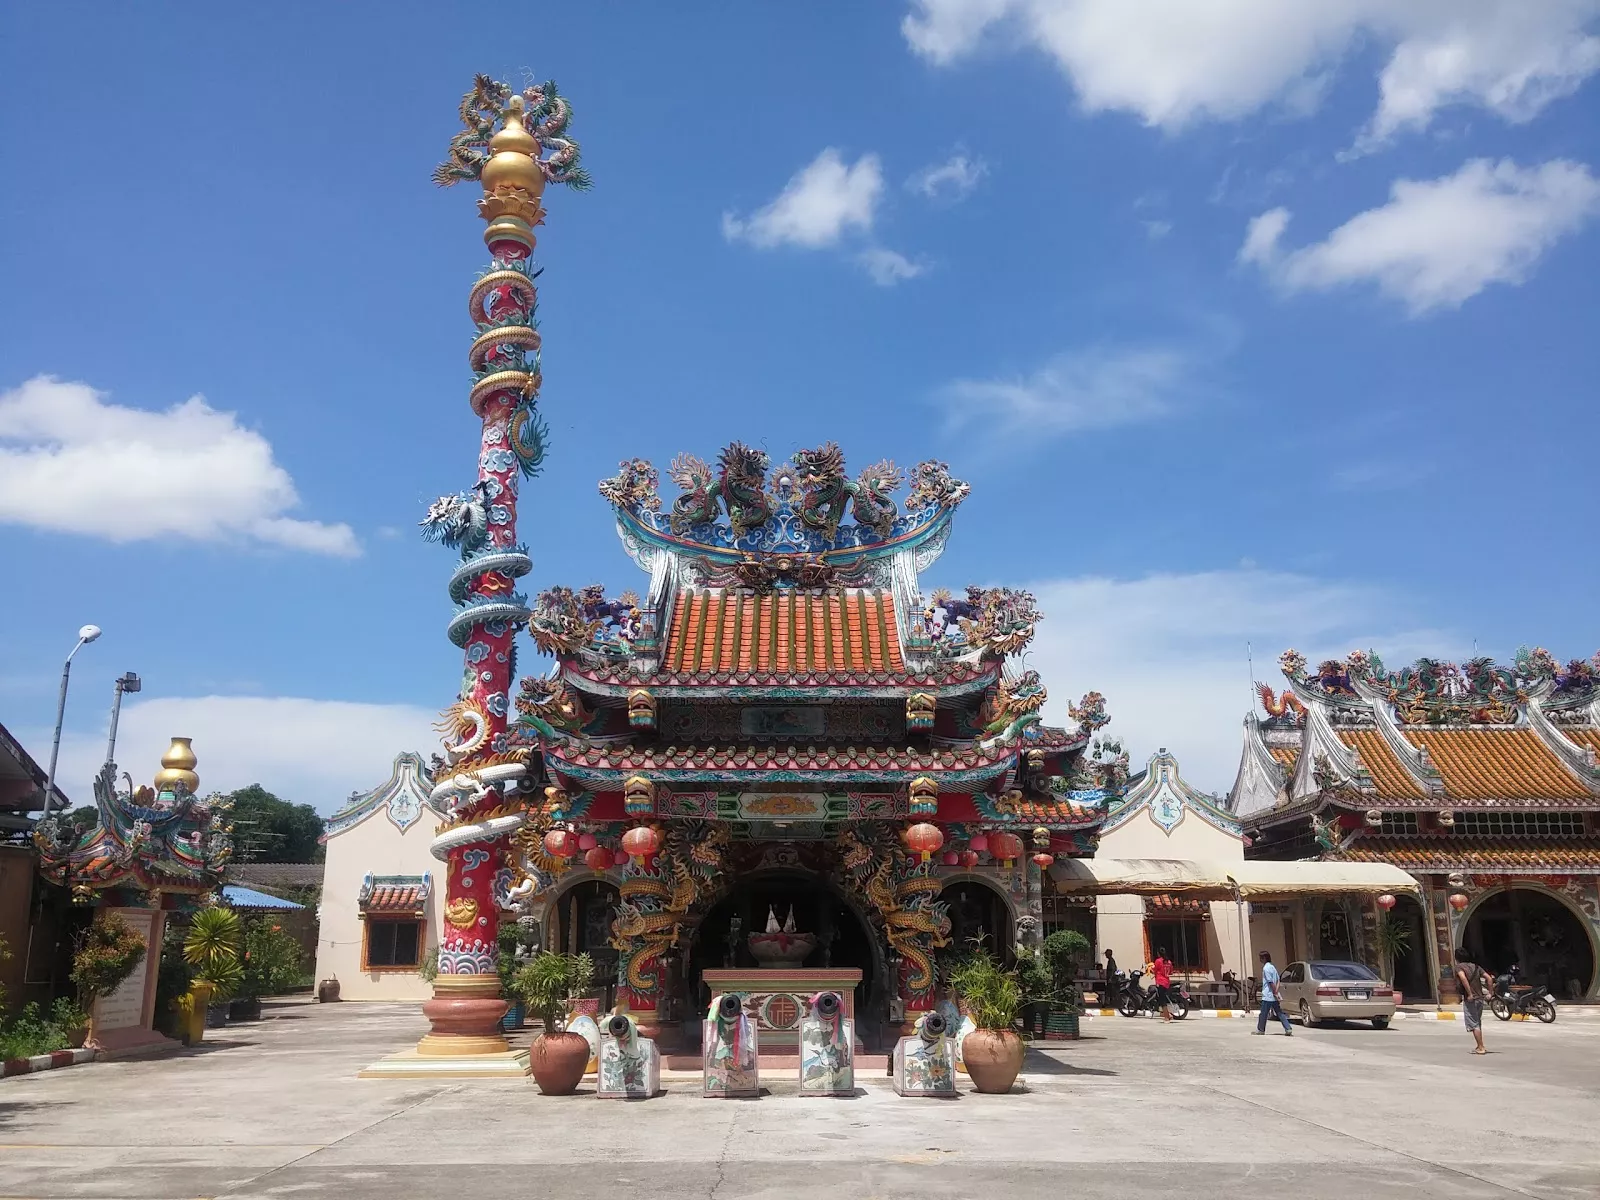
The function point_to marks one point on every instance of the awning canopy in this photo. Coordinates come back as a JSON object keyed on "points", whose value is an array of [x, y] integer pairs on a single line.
{"points": [[1216, 880], [235, 896]]}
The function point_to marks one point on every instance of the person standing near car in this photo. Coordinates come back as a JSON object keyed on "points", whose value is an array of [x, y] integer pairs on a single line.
{"points": [[1161, 968], [1271, 999], [1474, 983]]}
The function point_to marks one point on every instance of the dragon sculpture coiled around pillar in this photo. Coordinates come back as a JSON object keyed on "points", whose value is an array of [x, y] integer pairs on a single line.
{"points": [[548, 116], [656, 898], [905, 894]]}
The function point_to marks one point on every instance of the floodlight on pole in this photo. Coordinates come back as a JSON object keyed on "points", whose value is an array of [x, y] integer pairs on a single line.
{"points": [[126, 682]]}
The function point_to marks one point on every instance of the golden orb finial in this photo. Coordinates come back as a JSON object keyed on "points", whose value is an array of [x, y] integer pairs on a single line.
{"points": [[177, 766], [513, 163]]}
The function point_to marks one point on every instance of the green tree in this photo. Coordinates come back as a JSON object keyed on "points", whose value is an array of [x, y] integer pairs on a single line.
{"points": [[268, 829]]}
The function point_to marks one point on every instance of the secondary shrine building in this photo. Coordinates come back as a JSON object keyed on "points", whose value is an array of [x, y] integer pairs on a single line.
{"points": [[782, 753], [1479, 780]]}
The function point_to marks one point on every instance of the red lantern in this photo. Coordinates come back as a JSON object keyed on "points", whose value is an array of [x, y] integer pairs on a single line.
{"points": [[620, 858], [1005, 846], [1458, 901], [951, 858], [1386, 902], [1044, 860], [925, 839], [978, 842], [561, 843], [586, 841], [598, 858], [969, 859], [642, 842]]}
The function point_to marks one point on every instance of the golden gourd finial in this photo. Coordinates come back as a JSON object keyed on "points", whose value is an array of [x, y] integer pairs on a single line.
{"points": [[177, 767]]}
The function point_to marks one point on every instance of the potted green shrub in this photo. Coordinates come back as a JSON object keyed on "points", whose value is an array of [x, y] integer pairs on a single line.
{"points": [[213, 948], [1064, 953], [1038, 989], [70, 1018], [993, 1052], [108, 952], [547, 983]]}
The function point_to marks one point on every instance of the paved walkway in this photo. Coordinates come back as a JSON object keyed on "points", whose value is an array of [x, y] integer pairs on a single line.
{"points": [[1197, 1109]]}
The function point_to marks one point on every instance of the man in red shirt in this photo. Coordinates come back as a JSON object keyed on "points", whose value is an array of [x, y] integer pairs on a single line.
{"points": [[1162, 969]]}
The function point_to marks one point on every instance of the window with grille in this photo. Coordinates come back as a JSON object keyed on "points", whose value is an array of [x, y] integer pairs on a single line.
{"points": [[1184, 938], [1400, 823], [392, 944], [1519, 824]]}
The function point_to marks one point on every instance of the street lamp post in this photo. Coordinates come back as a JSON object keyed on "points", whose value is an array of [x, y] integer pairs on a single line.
{"points": [[127, 682], [85, 635]]}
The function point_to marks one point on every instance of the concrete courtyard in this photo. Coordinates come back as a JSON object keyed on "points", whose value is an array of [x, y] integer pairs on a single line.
{"points": [[1198, 1109]]}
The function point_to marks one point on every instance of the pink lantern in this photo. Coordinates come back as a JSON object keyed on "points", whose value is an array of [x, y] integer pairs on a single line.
{"points": [[598, 858], [620, 858], [561, 843], [586, 841], [978, 842], [951, 858], [969, 859], [1386, 902], [1044, 860], [925, 839], [1458, 901], [641, 841]]}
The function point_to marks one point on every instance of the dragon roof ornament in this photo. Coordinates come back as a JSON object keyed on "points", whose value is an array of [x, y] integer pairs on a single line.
{"points": [[728, 511], [1436, 692], [142, 840]]}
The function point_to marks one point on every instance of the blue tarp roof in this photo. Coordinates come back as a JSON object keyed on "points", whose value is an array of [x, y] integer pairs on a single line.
{"points": [[243, 897]]}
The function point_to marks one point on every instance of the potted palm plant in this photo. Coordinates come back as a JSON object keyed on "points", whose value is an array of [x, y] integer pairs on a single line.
{"points": [[1393, 938], [993, 1052], [547, 984], [1038, 989], [213, 948]]}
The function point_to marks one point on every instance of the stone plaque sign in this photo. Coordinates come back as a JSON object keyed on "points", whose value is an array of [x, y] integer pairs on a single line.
{"points": [[125, 1007]]}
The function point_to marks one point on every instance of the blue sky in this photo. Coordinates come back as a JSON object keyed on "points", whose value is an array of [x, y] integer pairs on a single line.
{"points": [[1247, 323]]}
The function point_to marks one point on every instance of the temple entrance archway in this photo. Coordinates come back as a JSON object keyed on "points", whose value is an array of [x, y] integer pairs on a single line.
{"points": [[1537, 930], [845, 937], [1412, 974], [578, 921], [978, 911]]}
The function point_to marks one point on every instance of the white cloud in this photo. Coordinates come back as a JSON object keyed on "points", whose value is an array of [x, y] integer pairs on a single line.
{"points": [[1439, 242], [1172, 62], [72, 462], [1156, 230], [949, 181], [1168, 651], [1084, 389], [307, 751], [823, 200], [889, 267]]}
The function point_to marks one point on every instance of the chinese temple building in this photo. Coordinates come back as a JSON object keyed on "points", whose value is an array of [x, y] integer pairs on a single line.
{"points": [[784, 752], [1479, 780]]}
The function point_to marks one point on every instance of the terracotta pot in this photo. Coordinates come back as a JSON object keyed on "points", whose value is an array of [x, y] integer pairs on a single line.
{"points": [[558, 1060], [993, 1058]]}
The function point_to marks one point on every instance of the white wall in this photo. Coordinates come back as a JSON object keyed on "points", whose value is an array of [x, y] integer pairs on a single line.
{"points": [[374, 845]]}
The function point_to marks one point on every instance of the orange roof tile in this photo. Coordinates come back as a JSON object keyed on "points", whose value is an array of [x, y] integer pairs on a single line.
{"points": [[1500, 764], [722, 631], [394, 898], [1388, 773], [1286, 756], [1477, 854], [1584, 736]]}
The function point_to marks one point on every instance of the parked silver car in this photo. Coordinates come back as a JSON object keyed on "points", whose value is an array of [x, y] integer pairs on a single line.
{"points": [[1331, 990]]}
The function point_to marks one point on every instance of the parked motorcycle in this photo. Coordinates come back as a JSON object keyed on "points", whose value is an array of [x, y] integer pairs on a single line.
{"points": [[1510, 998], [1137, 999]]}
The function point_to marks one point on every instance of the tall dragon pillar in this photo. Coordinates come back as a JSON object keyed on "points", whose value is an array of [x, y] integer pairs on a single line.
{"points": [[503, 146]]}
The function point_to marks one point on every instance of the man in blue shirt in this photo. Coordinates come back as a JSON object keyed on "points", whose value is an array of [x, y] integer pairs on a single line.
{"points": [[1271, 1001]]}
